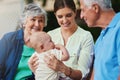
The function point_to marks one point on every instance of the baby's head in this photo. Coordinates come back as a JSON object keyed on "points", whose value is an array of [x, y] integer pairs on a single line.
{"points": [[41, 41]]}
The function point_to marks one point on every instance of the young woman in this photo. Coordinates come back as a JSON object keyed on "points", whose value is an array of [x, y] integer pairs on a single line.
{"points": [[78, 42]]}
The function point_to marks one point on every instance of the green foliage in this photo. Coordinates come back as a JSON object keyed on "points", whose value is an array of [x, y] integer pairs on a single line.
{"points": [[52, 22], [28, 1], [116, 5]]}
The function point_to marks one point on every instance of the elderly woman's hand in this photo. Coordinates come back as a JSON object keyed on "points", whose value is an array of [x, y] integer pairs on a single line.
{"points": [[33, 62]]}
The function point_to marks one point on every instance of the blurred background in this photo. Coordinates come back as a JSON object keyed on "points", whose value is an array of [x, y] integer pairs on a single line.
{"points": [[10, 11]]}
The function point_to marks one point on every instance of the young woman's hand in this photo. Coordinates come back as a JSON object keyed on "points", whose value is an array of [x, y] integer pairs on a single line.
{"points": [[52, 62]]}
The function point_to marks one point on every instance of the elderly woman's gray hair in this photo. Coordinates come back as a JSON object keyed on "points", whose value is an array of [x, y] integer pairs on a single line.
{"points": [[32, 9], [104, 4]]}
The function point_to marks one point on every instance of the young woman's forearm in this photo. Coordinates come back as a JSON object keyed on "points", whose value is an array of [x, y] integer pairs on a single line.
{"points": [[73, 74]]}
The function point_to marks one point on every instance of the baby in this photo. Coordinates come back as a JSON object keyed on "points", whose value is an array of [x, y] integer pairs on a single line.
{"points": [[43, 45]]}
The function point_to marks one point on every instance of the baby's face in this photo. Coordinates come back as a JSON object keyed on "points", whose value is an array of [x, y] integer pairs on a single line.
{"points": [[48, 43], [41, 39]]}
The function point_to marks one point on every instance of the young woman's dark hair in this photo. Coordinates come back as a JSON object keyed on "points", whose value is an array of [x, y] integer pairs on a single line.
{"points": [[58, 4]]}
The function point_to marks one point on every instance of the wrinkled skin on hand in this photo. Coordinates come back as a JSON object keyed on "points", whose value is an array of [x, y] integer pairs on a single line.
{"points": [[33, 62]]}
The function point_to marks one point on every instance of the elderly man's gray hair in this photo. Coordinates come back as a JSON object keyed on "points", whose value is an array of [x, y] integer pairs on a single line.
{"points": [[104, 4]]}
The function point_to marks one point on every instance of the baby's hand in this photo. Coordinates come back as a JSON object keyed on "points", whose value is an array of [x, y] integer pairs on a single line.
{"points": [[59, 46]]}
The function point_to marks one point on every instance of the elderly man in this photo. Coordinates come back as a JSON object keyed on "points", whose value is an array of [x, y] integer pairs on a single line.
{"points": [[99, 13]]}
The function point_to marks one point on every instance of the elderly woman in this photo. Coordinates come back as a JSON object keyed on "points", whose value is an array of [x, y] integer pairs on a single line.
{"points": [[14, 46]]}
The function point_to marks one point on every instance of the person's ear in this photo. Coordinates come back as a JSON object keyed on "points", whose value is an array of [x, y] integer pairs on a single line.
{"points": [[96, 8], [41, 46], [23, 26], [75, 13], [55, 14]]}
